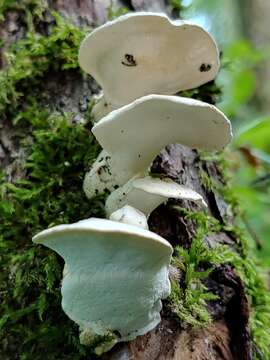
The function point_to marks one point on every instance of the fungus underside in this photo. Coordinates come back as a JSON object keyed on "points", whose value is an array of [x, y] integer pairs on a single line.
{"points": [[51, 193]]}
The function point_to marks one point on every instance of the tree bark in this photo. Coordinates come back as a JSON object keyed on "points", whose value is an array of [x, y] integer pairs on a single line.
{"points": [[228, 336]]}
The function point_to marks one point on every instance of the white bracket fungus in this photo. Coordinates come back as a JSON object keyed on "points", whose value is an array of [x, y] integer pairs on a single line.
{"points": [[116, 275], [146, 194], [133, 135], [146, 53]]}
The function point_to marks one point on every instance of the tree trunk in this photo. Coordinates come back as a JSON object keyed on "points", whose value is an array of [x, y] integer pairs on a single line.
{"points": [[228, 335]]}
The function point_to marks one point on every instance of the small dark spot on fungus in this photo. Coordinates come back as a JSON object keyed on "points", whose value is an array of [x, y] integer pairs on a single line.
{"points": [[105, 104], [205, 67], [129, 60], [116, 187], [117, 334], [139, 155], [122, 131]]}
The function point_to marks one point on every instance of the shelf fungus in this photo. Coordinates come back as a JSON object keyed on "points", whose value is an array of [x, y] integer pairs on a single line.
{"points": [[146, 194], [115, 276], [147, 53], [132, 136]]}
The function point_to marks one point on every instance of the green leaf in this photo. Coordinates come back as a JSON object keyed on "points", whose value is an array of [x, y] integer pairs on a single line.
{"points": [[255, 134]]}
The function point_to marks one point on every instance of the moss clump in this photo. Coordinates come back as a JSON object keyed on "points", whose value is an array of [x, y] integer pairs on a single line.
{"points": [[99, 344], [224, 187], [32, 57], [189, 300], [176, 5], [30, 9], [209, 92]]}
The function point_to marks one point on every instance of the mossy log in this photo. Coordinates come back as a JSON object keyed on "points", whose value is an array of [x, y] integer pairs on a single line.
{"points": [[219, 307]]}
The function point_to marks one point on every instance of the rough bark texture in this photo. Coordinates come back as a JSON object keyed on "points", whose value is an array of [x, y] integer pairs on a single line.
{"points": [[228, 336]]}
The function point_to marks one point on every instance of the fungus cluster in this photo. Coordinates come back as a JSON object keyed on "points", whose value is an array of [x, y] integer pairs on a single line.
{"points": [[116, 270]]}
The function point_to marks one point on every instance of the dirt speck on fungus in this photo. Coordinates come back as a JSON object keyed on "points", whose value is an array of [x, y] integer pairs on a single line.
{"points": [[205, 67], [129, 60]]}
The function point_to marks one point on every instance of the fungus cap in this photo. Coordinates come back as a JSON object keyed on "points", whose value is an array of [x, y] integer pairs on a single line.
{"points": [[146, 194], [151, 52], [116, 275], [135, 134]]}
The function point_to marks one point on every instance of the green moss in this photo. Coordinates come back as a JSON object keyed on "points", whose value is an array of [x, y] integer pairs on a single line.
{"points": [[32, 57], [209, 92], [206, 180], [30, 9], [99, 344], [189, 300], [224, 188], [176, 5]]}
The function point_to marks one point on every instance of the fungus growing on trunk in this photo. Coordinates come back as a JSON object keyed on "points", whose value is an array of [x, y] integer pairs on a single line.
{"points": [[146, 53], [115, 275], [146, 194], [133, 136]]}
